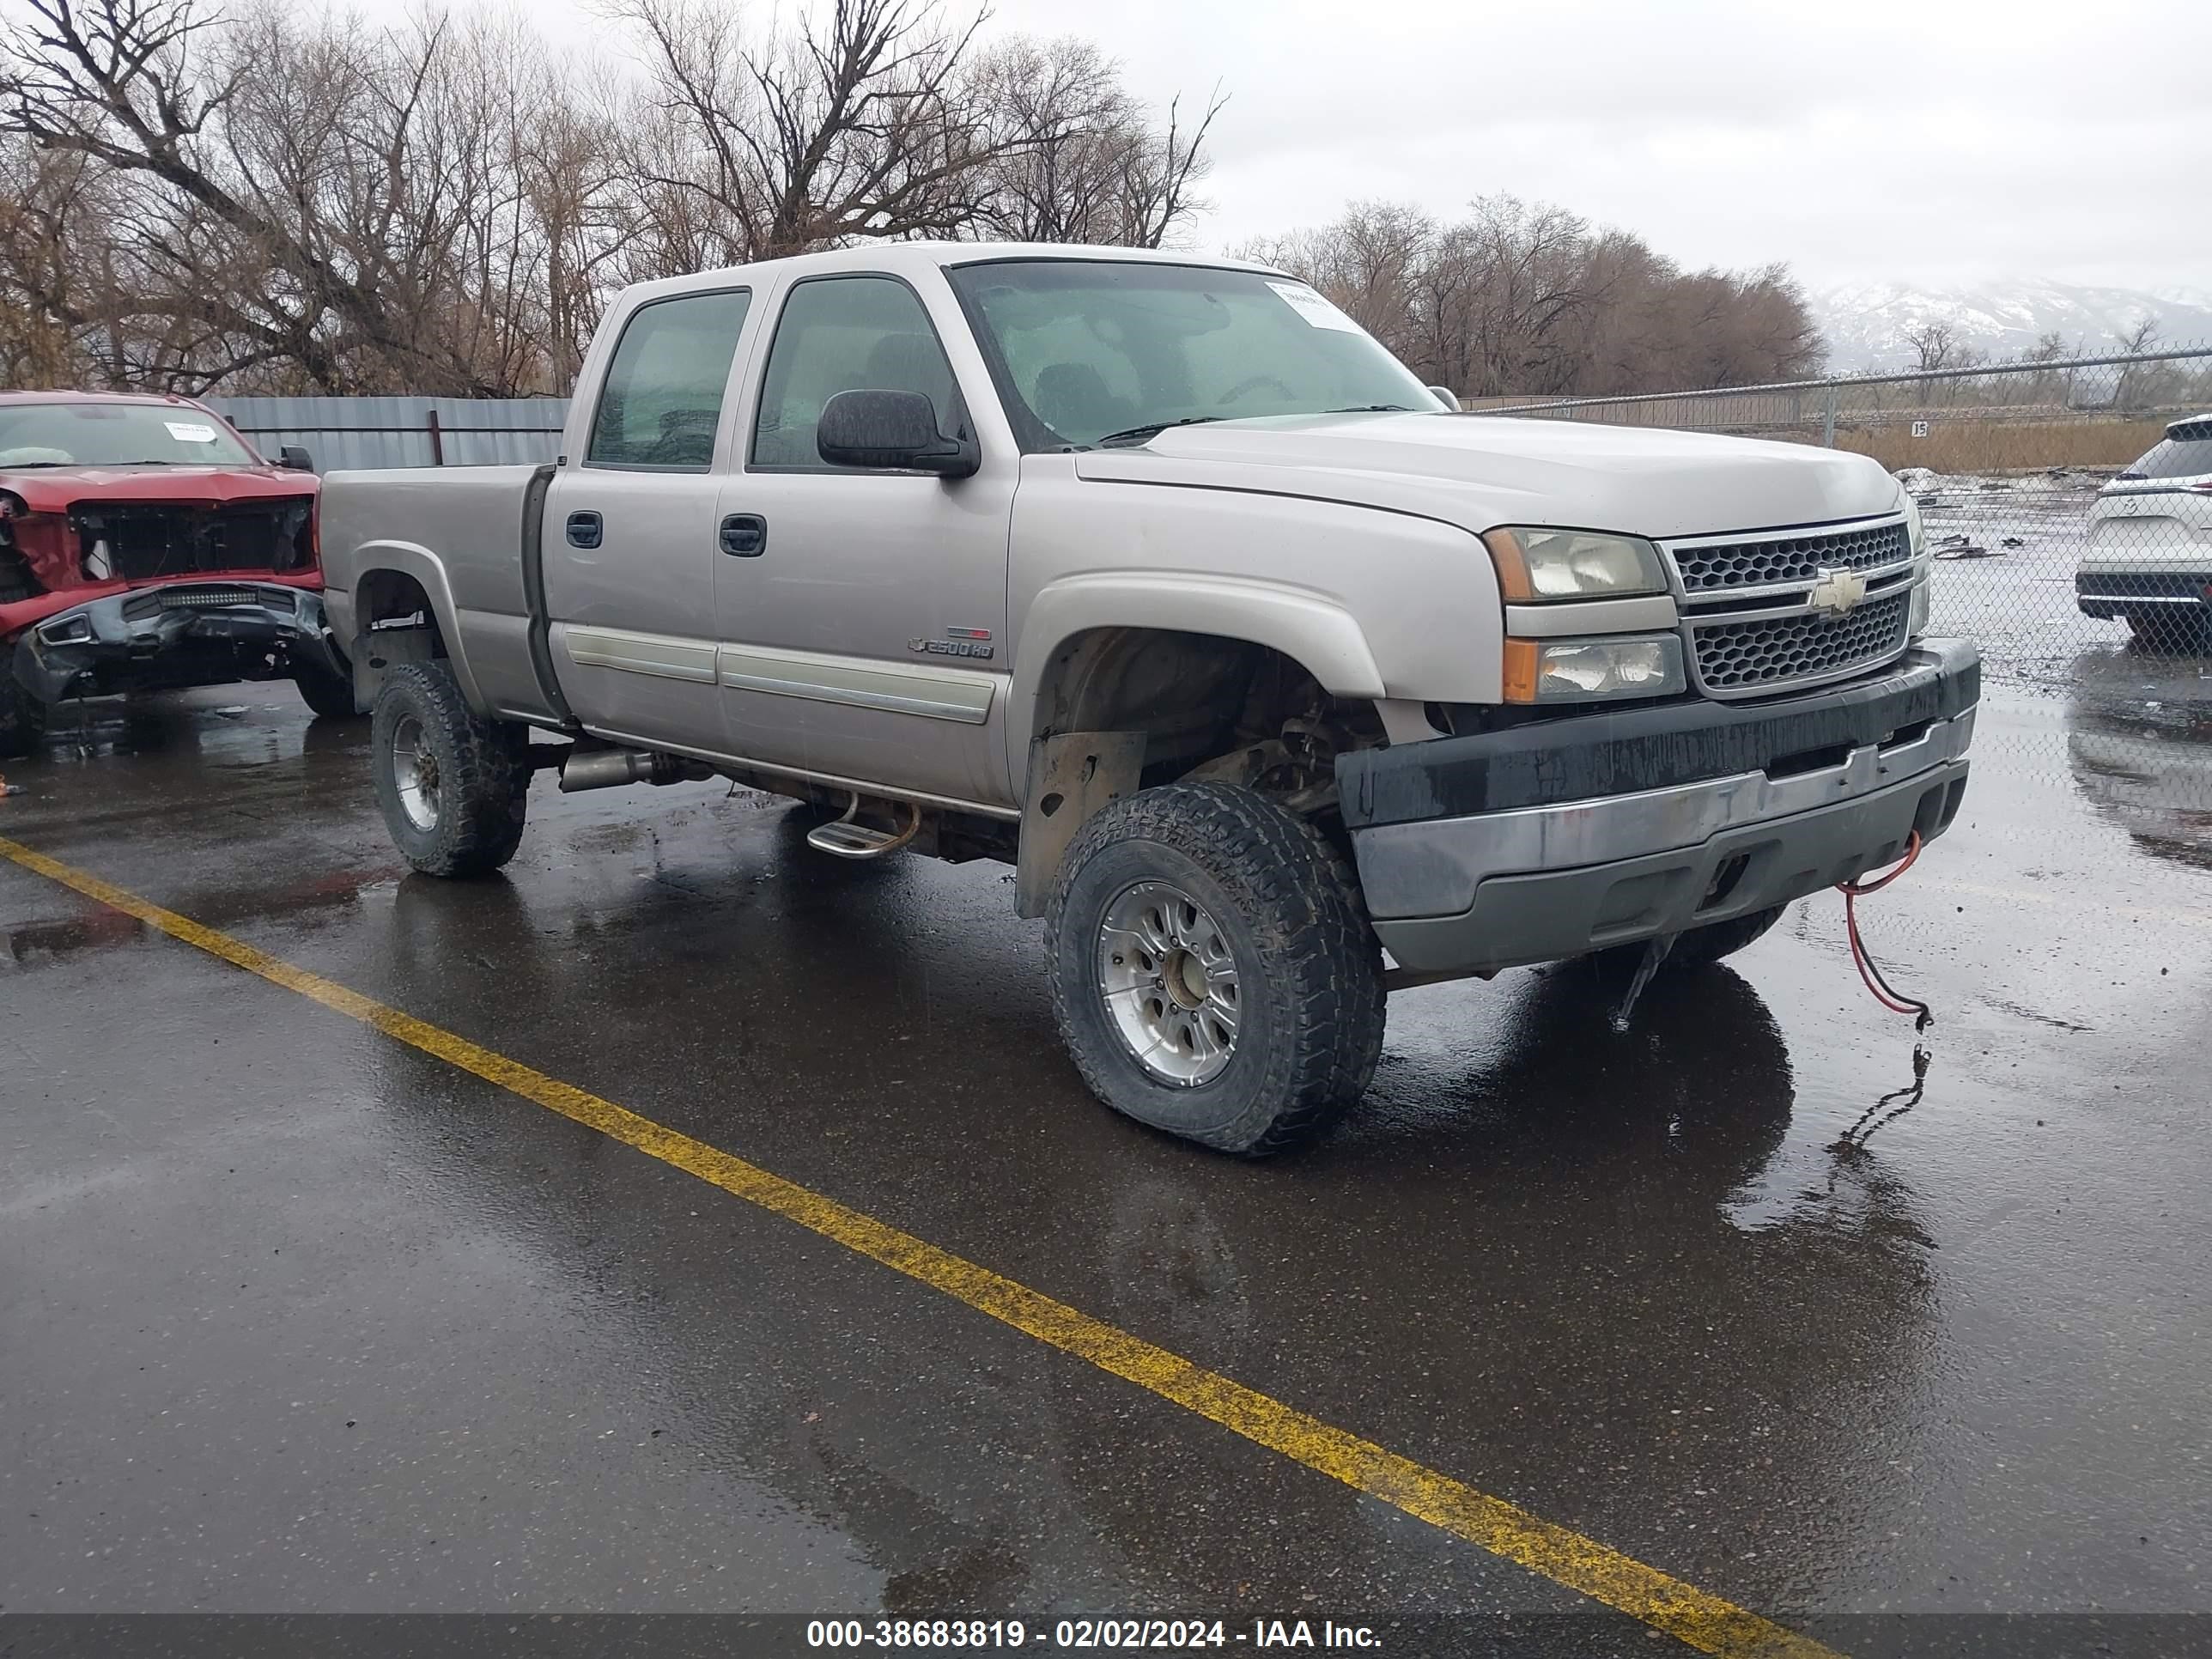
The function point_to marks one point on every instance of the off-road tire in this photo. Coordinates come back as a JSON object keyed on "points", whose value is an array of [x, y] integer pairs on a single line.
{"points": [[23, 716], [1700, 947], [1311, 976], [483, 772], [328, 695]]}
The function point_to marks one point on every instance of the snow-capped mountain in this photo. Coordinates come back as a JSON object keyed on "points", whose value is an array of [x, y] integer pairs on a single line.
{"points": [[1866, 323]]}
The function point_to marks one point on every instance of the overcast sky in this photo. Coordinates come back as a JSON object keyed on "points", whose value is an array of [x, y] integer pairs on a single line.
{"points": [[1919, 140]]}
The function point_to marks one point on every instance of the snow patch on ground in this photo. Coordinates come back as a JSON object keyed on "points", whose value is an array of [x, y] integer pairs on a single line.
{"points": [[1920, 481]]}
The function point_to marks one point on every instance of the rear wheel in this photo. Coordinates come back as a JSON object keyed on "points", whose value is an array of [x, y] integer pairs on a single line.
{"points": [[1212, 971], [23, 716], [453, 785]]}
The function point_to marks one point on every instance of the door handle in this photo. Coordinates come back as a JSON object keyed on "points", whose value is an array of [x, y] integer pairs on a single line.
{"points": [[744, 535], [585, 529]]}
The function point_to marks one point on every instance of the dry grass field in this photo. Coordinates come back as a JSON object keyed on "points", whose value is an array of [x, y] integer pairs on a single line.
{"points": [[1957, 442]]}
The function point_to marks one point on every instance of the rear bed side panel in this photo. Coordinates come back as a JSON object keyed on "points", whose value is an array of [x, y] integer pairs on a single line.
{"points": [[456, 530]]}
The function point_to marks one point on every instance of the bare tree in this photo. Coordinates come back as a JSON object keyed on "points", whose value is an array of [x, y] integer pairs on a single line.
{"points": [[318, 209], [1528, 299], [1935, 344], [1076, 157], [2142, 385], [845, 129]]}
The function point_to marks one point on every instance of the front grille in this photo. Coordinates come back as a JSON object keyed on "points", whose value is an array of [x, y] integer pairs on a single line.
{"points": [[1791, 558], [1739, 657], [139, 542]]}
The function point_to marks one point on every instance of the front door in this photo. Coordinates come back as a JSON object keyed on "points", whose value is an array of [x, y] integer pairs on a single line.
{"points": [[861, 614], [630, 529]]}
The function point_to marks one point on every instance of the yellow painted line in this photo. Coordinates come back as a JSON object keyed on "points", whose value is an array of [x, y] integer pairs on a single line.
{"points": [[1705, 1621]]}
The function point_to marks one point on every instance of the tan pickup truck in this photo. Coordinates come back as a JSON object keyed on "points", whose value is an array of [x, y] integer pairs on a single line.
{"points": [[1280, 683]]}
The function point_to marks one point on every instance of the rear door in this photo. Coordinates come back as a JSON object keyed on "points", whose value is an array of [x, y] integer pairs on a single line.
{"points": [[862, 613], [629, 540]]}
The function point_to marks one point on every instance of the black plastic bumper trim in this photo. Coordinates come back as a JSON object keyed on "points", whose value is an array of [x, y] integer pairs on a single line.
{"points": [[1587, 757], [124, 632]]}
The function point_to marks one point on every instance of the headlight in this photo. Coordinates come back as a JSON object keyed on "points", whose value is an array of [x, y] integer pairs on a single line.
{"points": [[1590, 671], [1915, 620], [1573, 564]]}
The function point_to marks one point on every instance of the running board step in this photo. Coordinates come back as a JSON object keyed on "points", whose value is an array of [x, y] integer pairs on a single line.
{"points": [[847, 839]]}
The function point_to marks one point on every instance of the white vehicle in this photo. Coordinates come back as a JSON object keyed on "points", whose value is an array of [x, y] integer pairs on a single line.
{"points": [[1159, 579], [2149, 561]]}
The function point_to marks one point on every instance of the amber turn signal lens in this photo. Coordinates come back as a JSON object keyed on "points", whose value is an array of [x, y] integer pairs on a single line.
{"points": [[1520, 671]]}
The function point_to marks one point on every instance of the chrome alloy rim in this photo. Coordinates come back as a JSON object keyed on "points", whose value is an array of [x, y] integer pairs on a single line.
{"points": [[415, 772], [1169, 981]]}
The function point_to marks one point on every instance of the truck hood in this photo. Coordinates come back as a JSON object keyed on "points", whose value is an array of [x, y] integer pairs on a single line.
{"points": [[1478, 471], [55, 488]]}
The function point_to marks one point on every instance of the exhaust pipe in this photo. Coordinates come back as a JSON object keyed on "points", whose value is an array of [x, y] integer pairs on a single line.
{"points": [[608, 768]]}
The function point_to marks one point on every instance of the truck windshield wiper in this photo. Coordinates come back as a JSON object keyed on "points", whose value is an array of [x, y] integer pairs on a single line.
{"points": [[1370, 408], [1137, 434], [25, 466]]}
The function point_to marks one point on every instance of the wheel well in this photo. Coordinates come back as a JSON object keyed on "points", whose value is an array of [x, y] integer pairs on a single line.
{"points": [[1198, 698], [394, 622], [388, 596], [1121, 709]]}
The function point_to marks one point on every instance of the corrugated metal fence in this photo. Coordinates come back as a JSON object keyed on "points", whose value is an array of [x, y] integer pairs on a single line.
{"points": [[341, 432]]}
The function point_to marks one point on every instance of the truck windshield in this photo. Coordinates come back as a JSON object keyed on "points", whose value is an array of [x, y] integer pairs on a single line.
{"points": [[1084, 349], [117, 434]]}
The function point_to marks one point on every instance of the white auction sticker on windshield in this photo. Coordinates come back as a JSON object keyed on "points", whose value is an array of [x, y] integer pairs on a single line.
{"points": [[1313, 308], [190, 431]]}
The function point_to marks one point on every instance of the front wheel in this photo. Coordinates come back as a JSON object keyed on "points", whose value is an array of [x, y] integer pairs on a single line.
{"points": [[328, 695], [453, 785], [1212, 970], [23, 716]]}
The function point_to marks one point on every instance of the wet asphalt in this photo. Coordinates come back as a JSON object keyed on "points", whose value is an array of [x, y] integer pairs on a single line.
{"points": [[295, 1319]]}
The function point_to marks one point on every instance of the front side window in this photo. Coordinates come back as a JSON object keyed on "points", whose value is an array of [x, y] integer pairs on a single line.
{"points": [[846, 334], [663, 395], [117, 434], [1085, 349]]}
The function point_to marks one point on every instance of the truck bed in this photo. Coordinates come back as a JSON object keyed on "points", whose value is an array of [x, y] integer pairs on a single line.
{"points": [[468, 536]]}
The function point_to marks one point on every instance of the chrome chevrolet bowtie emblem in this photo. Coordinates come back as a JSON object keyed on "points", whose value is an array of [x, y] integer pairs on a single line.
{"points": [[1837, 591]]}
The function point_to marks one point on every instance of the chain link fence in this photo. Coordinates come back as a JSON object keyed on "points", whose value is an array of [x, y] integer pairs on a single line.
{"points": [[2068, 506]]}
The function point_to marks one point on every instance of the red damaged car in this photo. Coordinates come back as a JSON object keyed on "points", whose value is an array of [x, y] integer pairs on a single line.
{"points": [[144, 546]]}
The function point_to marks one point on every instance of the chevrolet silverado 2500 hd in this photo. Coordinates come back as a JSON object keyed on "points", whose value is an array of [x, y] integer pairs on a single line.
{"points": [[1158, 578]]}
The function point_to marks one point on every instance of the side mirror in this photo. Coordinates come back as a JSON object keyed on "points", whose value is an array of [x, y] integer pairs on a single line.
{"points": [[291, 456], [1450, 398], [890, 429]]}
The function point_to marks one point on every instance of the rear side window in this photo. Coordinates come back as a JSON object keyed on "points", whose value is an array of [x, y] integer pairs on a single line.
{"points": [[845, 334], [2177, 457], [663, 395]]}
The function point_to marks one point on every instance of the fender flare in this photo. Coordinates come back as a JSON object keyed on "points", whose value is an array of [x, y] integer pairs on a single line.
{"points": [[428, 571], [1320, 636]]}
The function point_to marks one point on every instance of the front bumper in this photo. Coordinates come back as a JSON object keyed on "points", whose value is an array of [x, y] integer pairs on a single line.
{"points": [[1557, 839], [179, 634]]}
